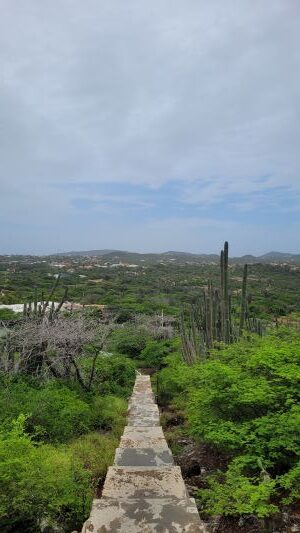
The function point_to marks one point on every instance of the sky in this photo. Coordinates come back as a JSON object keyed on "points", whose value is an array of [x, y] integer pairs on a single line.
{"points": [[149, 126]]}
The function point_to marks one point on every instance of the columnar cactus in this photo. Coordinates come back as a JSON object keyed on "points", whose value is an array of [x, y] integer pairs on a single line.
{"points": [[212, 319]]}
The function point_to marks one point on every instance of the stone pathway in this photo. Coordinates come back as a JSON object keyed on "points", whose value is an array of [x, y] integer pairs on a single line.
{"points": [[144, 492]]}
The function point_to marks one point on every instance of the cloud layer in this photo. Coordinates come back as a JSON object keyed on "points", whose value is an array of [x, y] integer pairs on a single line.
{"points": [[149, 125]]}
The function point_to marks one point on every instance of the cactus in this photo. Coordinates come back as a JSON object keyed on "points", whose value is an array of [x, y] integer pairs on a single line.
{"points": [[212, 318], [187, 349], [38, 310], [35, 304], [226, 296], [50, 296], [255, 325], [244, 300], [193, 348]]}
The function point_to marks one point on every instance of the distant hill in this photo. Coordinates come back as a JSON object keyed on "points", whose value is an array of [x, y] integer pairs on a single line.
{"points": [[89, 253], [116, 256], [270, 257], [275, 256]]}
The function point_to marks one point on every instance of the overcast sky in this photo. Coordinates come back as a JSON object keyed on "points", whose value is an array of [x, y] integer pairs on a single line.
{"points": [[149, 125]]}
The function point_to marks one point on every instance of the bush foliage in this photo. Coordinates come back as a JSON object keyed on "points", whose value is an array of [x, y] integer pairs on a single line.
{"points": [[52, 455], [244, 401], [46, 484]]}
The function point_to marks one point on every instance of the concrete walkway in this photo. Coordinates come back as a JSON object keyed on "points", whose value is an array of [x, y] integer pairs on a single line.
{"points": [[143, 491]]}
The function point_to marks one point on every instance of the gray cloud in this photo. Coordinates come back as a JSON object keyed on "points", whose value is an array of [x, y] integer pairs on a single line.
{"points": [[202, 92]]}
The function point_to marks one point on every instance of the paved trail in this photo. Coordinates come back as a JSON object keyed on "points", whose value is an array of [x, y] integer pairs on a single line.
{"points": [[144, 492]]}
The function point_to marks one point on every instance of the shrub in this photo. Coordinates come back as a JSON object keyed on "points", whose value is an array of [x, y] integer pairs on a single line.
{"points": [[53, 410], [129, 341], [8, 314], [58, 411], [290, 483], [235, 493], [113, 374], [40, 483], [154, 353], [111, 413], [95, 452], [244, 401]]}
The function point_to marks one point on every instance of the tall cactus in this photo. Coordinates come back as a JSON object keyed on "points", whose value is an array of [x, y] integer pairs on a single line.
{"points": [[50, 296], [243, 300], [222, 310], [226, 296], [212, 318]]}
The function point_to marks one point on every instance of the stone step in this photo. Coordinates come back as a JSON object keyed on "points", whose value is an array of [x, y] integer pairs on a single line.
{"points": [[143, 457], [146, 432], [143, 442], [142, 389], [143, 394], [139, 410], [143, 416], [143, 437], [142, 421], [144, 482], [140, 403], [144, 492], [148, 515], [142, 400], [145, 407], [142, 382]]}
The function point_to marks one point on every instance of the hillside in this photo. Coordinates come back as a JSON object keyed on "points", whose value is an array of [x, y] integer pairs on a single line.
{"points": [[185, 257]]}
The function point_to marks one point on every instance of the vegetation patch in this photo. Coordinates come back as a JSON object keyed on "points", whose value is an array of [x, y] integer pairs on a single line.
{"points": [[244, 402]]}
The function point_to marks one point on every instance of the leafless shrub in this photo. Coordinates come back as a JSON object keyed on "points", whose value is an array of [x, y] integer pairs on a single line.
{"points": [[160, 327], [45, 346]]}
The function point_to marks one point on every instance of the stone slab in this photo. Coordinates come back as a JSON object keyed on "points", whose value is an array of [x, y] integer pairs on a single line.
{"points": [[138, 404], [164, 515], [143, 421], [142, 388], [142, 396], [143, 417], [143, 457], [145, 432], [141, 413], [145, 407], [140, 442], [137, 400], [143, 437], [130, 482]]}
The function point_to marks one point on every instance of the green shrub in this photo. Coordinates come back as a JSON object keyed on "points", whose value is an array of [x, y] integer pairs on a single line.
{"points": [[8, 314], [173, 381], [129, 341], [154, 353], [244, 401], [235, 493], [110, 413], [40, 483], [114, 374], [58, 413], [290, 483], [54, 485], [96, 453]]}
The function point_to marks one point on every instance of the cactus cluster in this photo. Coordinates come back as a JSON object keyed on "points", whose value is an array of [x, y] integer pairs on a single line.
{"points": [[212, 319], [38, 309]]}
